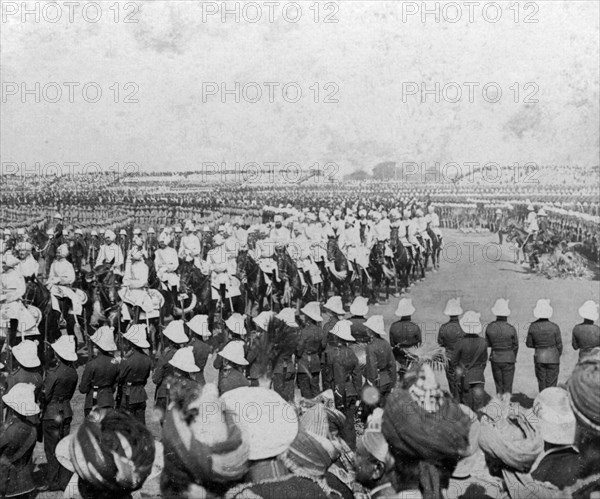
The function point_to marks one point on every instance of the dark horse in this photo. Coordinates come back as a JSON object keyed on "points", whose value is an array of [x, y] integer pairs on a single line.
{"points": [[340, 274], [436, 249], [379, 271], [253, 280], [402, 259], [287, 288], [102, 306], [197, 285], [37, 294]]}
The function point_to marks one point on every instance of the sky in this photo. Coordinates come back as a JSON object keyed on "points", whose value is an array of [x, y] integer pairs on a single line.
{"points": [[335, 86]]}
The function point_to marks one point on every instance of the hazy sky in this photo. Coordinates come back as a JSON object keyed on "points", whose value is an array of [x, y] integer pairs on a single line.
{"points": [[82, 85]]}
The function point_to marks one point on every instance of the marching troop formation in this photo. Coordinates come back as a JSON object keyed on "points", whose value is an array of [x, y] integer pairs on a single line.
{"points": [[313, 396]]}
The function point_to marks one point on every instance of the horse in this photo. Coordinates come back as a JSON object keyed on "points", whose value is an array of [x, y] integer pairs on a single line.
{"points": [[37, 294], [287, 288], [197, 285], [403, 262], [339, 271], [253, 280], [102, 306], [436, 249], [379, 271]]}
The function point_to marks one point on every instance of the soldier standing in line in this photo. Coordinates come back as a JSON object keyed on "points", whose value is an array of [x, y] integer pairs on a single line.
{"points": [[448, 336], [58, 389], [284, 370], [175, 338], [469, 359], [200, 348], [586, 336], [310, 348], [99, 378], [502, 338], [404, 334], [336, 311], [358, 311], [134, 371], [381, 365], [544, 336], [341, 374]]}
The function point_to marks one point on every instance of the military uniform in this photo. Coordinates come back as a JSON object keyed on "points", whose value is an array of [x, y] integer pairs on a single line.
{"points": [[98, 382], [134, 371], [328, 326], [310, 348], [201, 351], [502, 338], [586, 336], [404, 334], [57, 391], [381, 367], [341, 373], [162, 370], [448, 336], [470, 357], [359, 331], [232, 378], [284, 372], [544, 336]]}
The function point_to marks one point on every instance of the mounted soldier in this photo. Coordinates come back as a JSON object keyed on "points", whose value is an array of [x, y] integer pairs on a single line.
{"points": [[60, 282]]}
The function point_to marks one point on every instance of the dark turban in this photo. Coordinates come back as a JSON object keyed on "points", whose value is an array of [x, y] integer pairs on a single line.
{"points": [[584, 390], [113, 452], [415, 433]]}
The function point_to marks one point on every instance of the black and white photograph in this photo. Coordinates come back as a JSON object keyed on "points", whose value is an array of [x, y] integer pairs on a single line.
{"points": [[307, 249]]}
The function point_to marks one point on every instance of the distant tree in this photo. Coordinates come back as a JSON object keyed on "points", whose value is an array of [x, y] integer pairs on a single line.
{"points": [[357, 175], [385, 170]]}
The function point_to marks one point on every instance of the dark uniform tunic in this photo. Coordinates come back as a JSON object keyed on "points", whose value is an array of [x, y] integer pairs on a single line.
{"points": [[57, 391], [586, 336], [310, 347], [98, 381], [134, 372], [341, 373], [448, 336], [328, 326], [469, 358], [201, 351], [560, 466], [17, 442], [502, 338], [284, 371], [544, 336], [359, 331], [404, 334], [251, 354], [162, 370], [231, 379], [381, 366]]}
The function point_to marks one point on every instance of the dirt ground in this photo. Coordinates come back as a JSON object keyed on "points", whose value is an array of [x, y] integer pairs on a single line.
{"points": [[475, 268]]}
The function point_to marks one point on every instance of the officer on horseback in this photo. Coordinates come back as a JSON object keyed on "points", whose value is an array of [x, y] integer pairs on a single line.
{"points": [[110, 253], [433, 221], [28, 266], [60, 281]]}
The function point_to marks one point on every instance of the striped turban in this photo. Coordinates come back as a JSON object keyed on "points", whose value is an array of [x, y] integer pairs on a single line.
{"points": [[113, 452]]}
